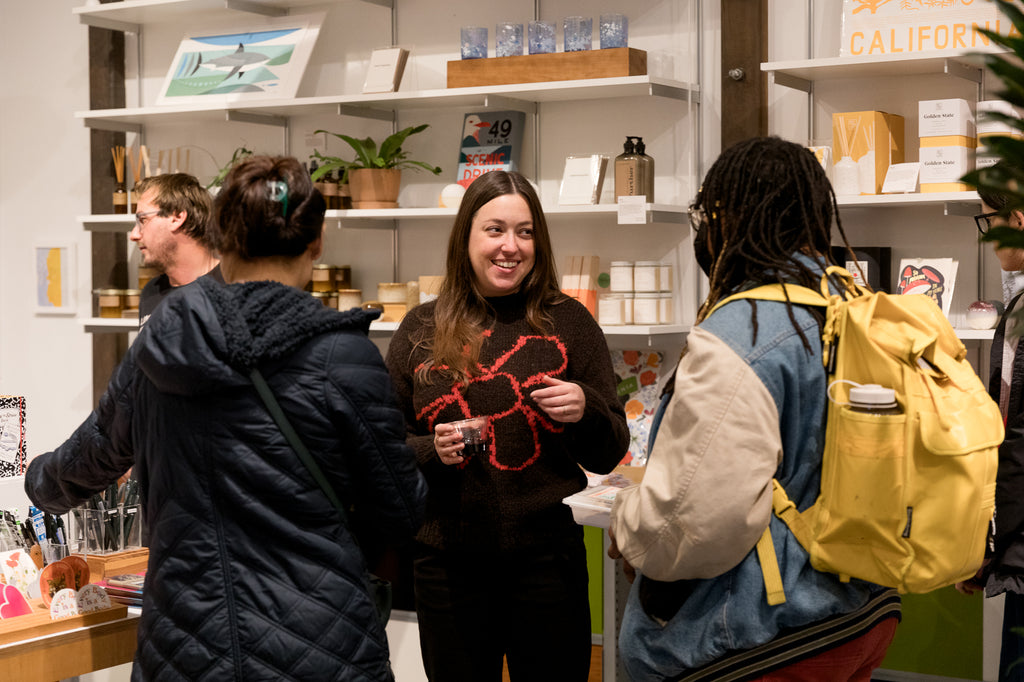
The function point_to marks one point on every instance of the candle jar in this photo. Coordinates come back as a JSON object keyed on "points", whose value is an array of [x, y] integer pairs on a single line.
{"points": [[621, 276], [110, 302], [665, 308], [611, 309], [323, 277], [508, 39], [645, 275], [577, 34], [541, 36], [130, 298], [645, 308], [613, 30], [474, 42]]}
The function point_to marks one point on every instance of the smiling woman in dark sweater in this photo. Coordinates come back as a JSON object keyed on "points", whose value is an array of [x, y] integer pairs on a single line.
{"points": [[500, 567]]}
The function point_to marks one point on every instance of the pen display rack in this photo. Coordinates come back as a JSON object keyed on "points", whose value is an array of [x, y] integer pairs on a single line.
{"points": [[103, 531]]}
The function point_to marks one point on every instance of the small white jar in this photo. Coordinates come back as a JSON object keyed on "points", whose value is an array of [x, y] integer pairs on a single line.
{"points": [[621, 276], [666, 307], [611, 309], [645, 276], [645, 308]]}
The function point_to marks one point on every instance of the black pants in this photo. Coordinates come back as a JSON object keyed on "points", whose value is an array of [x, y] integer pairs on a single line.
{"points": [[475, 607]]}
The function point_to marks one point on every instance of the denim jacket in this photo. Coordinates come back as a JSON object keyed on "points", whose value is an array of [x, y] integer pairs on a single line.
{"points": [[744, 410]]}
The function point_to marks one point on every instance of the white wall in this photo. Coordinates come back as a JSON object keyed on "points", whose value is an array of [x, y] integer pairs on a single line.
{"points": [[44, 184]]}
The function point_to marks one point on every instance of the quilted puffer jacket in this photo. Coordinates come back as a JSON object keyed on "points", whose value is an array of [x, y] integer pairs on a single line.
{"points": [[251, 574]]}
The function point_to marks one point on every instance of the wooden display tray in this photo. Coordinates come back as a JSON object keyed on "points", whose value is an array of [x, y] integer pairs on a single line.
{"points": [[38, 623], [557, 66], [118, 563]]}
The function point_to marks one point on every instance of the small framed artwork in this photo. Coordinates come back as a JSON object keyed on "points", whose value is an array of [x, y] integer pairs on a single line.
{"points": [[55, 279], [255, 62]]}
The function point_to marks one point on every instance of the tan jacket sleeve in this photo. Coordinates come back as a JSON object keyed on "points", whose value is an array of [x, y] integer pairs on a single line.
{"points": [[706, 495]]}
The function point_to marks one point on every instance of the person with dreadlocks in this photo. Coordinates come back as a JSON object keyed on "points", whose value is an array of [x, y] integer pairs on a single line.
{"points": [[745, 406]]}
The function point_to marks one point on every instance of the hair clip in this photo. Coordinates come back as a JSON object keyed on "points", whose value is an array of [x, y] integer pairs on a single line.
{"points": [[279, 193]]}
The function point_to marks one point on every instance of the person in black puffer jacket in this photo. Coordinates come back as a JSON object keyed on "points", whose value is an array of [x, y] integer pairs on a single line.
{"points": [[252, 575]]}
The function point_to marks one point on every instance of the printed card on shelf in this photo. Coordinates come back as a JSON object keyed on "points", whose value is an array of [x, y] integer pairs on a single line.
{"points": [[64, 604], [491, 140], [384, 74], [12, 436], [933, 277], [13, 603], [92, 597], [20, 570]]}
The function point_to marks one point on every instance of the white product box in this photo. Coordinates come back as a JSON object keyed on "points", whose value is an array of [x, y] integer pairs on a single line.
{"points": [[990, 126], [945, 166], [939, 117]]}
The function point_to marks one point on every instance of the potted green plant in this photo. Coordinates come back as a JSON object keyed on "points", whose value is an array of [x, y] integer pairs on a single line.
{"points": [[239, 154], [376, 173]]}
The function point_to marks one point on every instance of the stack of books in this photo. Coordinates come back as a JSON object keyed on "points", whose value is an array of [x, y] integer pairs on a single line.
{"points": [[124, 589]]}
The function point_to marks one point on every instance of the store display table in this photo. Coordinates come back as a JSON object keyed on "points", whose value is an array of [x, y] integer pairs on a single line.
{"points": [[33, 647]]}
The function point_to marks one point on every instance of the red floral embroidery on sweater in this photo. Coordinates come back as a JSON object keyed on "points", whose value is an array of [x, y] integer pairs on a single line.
{"points": [[518, 385]]}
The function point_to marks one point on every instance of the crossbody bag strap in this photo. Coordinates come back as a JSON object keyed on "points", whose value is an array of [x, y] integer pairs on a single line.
{"points": [[293, 439]]}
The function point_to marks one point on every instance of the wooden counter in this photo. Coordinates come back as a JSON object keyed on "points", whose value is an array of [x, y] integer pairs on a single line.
{"points": [[54, 650]]}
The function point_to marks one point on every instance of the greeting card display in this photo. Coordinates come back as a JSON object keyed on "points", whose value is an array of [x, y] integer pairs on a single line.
{"points": [[933, 277]]}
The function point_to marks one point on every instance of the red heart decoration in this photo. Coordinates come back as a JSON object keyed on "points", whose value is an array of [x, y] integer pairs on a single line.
{"points": [[13, 603]]}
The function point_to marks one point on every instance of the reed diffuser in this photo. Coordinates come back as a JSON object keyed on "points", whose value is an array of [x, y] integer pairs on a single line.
{"points": [[135, 165], [845, 180], [120, 193]]}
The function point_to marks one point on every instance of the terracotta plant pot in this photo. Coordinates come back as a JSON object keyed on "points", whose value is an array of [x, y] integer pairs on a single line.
{"points": [[375, 187]]}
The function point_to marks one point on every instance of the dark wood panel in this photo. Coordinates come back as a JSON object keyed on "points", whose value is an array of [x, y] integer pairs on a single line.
{"points": [[744, 88], [109, 252]]}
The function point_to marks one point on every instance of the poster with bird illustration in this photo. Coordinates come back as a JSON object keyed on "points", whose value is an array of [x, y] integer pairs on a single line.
{"points": [[264, 61], [491, 140]]}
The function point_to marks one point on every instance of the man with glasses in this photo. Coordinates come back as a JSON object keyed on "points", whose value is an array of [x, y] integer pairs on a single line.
{"points": [[1003, 571], [172, 231]]}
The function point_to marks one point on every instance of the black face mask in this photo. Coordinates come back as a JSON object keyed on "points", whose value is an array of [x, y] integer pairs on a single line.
{"points": [[701, 251]]}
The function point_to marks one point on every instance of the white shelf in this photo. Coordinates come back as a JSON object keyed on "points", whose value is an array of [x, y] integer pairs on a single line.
{"points": [[644, 330], [129, 15], [276, 112], [975, 334], [109, 325], [927, 199], [656, 213], [799, 74]]}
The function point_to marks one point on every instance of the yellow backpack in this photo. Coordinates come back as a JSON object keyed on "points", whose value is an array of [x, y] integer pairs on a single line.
{"points": [[905, 499]]}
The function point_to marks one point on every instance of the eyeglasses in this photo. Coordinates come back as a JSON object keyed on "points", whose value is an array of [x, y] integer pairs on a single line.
{"points": [[140, 218], [982, 221]]}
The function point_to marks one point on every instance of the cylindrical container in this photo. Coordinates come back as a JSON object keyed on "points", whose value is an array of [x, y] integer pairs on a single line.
{"points": [[541, 35], [611, 309], [645, 308], [328, 298], [614, 30], [845, 177], [646, 274], [349, 298], [323, 277], [343, 277], [577, 34], [110, 301], [329, 188], [392, 292], [874, 399], [474, 42], [621, 276], [665, 308], [120, 199], [146, 273], [131, 302], [665, 276], [627, 308], [412, 294], [508, 39]]}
